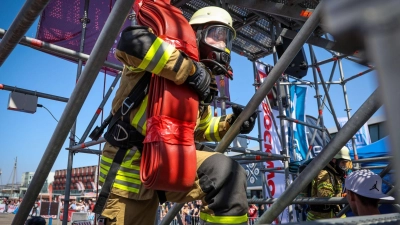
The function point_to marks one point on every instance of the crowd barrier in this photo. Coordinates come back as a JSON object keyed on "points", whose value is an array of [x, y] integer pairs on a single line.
{"points": [[11, 208], [195, 220]]}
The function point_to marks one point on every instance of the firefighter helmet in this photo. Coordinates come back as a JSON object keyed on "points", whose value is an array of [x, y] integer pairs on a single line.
{"points": [[214, 34], [344, 153], [212, 14]]}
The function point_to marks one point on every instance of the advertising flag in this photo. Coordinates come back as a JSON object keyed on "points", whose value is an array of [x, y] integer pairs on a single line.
{"points": [[223, 89], [297, 112], [271, 143]]}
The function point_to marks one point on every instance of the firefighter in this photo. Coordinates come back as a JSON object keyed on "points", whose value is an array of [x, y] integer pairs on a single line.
{"points": [[329, 183], [220, 182]]}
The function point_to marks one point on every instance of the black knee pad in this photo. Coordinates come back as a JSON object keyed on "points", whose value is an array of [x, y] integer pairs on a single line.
{"points": [[36, 220], [224, 182]]}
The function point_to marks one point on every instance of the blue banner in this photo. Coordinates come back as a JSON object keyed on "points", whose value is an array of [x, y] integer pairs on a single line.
{"points": [[299, 145], [362, 137]]}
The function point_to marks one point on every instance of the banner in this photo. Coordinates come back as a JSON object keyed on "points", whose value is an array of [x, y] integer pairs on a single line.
{"points": [[297, 112], [362, 137], [61, 24], [10, 209], [223, 89], [271, 143], [316, 145]]}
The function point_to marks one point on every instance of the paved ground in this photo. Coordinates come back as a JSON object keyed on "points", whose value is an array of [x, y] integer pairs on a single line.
{"points": [[6, 219]]}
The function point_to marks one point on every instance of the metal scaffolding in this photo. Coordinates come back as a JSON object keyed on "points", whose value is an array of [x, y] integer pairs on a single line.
{"points": [[78, 96], [267, 18]]}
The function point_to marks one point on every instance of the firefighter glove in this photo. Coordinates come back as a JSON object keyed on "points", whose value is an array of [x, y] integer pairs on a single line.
{"points": [[200, 80], [247, 125], [213, 91]]}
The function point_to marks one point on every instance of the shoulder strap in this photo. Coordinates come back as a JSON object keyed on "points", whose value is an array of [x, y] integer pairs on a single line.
{"points": [[133, 100], [136, 95]]}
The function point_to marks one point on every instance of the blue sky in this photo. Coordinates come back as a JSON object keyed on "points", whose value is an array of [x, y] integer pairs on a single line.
{"points": [[26, 136]]}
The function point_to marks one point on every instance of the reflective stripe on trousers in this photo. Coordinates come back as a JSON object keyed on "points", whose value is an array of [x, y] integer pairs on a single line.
{"points": [[128, 175], [209, 219]]}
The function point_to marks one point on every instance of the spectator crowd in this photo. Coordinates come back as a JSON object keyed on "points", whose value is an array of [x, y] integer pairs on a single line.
{"points": [[190, 213], [10, 203]]}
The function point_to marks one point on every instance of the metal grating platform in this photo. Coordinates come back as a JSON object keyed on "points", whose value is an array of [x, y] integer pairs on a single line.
{"points": [[254, 21]]}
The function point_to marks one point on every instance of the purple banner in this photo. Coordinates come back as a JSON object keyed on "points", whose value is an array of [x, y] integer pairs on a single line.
{"points": [[223, 87], [60, 24]]}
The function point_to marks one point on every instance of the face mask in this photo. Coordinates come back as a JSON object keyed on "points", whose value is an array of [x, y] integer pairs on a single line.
{"points": [[219, 37], [342, 166], [215, 47]]}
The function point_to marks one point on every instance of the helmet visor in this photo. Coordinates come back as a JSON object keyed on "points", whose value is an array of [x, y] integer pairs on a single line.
{"points": [[220, 37]]}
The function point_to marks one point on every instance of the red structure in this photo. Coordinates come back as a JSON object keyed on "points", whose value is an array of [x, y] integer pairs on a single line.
{"points": [[84, 174]]}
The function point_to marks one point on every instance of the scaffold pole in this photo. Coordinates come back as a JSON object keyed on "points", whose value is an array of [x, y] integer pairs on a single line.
{"points": [[103, 44], [269, 82], [100, 108], [321, 77], [323, 103], [34, 93], [22, 22], [58, 50], [366, 110]]}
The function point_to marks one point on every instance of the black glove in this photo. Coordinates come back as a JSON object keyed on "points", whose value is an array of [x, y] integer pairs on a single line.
{"points": [[247, 125], [200, 80], [223, 70], [213, 91]]}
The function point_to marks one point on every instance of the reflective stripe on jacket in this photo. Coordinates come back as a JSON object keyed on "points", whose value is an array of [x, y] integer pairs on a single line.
{"points": [[165, 61], [156, 58]]}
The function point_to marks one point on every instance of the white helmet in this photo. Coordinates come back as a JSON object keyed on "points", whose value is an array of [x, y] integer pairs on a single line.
{"points": [[212, 14], [344, 153], [215, 35]]}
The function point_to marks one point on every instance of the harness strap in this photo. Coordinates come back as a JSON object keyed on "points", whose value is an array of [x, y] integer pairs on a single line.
{"points": [[161, 196], [133, 100], [137, 94], [203, 147], [109, 181]]}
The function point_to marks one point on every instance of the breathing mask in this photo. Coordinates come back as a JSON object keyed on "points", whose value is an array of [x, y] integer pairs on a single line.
{"points": [[215, 44], [342, 166]]}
